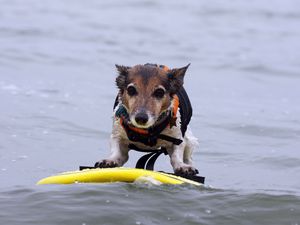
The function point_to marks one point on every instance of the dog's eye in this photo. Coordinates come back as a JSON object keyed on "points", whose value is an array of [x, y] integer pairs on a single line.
{"points": [[159, 93], [131, 91]]}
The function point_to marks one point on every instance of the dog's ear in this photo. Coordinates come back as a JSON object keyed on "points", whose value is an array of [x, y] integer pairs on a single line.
{"points": [[176, 78], [122, 77]]}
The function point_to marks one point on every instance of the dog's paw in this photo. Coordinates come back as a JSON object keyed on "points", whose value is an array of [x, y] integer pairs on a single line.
{"points": [[106, 163], [186, 170]]}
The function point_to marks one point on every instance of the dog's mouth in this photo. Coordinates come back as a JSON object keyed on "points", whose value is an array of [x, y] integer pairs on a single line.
{"points": [[142, 120]]}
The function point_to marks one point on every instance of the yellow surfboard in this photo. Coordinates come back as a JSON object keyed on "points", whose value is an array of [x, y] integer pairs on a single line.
{"points": [[118, 174]]}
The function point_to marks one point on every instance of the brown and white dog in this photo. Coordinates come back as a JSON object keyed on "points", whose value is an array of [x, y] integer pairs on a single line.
{"points": [[147, 101]]}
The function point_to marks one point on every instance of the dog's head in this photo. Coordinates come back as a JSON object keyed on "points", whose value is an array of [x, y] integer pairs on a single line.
{"points": [[146, 91]]}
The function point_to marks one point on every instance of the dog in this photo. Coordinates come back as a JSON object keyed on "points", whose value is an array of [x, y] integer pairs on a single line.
{"points": [[152, 110]]}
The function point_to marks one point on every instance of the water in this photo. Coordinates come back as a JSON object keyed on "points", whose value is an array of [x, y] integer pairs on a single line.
{"points": [[57, 90]]}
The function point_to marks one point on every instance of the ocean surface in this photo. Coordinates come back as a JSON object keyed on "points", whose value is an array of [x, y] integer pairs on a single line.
{"points": [[57, 90]]}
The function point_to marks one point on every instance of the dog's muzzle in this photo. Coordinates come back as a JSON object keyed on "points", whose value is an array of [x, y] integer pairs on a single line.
{"points": [[141, 118]]}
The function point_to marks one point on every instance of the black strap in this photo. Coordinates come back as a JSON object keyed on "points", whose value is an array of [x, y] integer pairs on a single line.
{"points": [[186, 110], [147, 161], [141, 163], [86, 167], [152, 160], [175, 141]]}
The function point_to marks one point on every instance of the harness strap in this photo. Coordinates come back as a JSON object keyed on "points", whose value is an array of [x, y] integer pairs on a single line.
{"points": [[186, 110], [175, 141], [147, 161]]}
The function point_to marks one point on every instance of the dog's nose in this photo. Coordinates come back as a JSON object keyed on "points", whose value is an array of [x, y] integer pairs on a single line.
{"points": [[141, 118]]}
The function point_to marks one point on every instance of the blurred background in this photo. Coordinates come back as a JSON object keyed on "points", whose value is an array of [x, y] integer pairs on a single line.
{"points": [[57, 84]]}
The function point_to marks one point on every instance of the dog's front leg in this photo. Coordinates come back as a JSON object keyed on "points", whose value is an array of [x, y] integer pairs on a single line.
{"points": [[118, 156], [176, 157]]}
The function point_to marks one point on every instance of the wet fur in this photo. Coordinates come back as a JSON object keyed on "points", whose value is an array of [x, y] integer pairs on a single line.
{"points": [[146, 79]]}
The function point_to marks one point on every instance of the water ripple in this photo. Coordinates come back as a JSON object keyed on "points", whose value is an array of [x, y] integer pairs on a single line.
{"points": [[131, 204], [261, 130]]}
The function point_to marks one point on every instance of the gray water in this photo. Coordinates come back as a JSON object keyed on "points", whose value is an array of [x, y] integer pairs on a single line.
{"points": [[57, 90]]}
